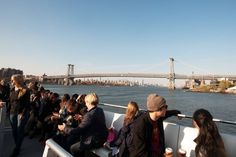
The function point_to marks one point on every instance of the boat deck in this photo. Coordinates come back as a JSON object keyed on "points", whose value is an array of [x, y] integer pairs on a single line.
{"points": [[30, 147]]}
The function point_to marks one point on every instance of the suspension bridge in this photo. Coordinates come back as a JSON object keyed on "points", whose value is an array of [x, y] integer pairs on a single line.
{"points": [[69, 78]]}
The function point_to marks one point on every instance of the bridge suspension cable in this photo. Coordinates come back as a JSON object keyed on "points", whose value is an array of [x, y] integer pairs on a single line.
{"points": [[194, 67], [136, 67], [153, 66]]}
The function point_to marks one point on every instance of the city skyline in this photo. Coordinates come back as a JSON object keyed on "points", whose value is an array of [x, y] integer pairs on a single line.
{"points": [[118, 36]]}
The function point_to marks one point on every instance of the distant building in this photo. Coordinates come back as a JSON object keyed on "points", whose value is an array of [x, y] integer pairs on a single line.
{"points": [[214, 82], [223, 79], [6, 73]]}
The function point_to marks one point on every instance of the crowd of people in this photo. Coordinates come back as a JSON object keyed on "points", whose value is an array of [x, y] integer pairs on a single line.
{"points": [[77, 123]]}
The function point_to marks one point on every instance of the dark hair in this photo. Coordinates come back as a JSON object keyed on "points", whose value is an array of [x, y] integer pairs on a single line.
{"points": [[209, 142], [74, 96], [66, 97], [71, 103]]}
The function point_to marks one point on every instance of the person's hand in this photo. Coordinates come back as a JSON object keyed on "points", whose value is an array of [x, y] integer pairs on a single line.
{"points": [[55, 114], [2, 104], [77, 117], [62, 127], [107, 145], [53, 118], [179, 117], [20, 116]]}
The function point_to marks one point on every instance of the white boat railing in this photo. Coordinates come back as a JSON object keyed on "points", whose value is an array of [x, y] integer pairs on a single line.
{"points": [[52, 149], [179, 115], [214, 119]]}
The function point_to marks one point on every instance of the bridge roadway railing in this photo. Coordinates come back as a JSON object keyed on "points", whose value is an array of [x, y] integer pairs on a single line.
{"points": [[143, 75]]}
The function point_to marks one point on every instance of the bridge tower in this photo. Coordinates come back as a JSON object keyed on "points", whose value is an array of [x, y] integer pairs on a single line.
{"points": [[70, 70], [69, 80], [171, 75]]}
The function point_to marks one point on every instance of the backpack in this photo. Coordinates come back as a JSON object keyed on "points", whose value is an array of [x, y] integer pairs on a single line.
{"points": [[112, 135]]}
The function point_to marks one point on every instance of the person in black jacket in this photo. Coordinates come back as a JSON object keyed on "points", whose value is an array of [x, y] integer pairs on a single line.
{"points": [[146, 132], [91, 131], [132, 112], [19, 110]]}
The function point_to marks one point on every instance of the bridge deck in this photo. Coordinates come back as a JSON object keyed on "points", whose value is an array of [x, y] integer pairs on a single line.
{"points": [[144, 75]]}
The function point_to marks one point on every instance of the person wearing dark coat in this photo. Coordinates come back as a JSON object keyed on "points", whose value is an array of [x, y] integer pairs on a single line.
{"points": [[147, 131], [91, 131], [19, 111]]}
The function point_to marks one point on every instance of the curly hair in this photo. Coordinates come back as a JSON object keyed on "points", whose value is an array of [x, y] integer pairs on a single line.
{"points": [[209, 142]]}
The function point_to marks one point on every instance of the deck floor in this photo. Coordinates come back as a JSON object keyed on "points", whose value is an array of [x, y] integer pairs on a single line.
{"points": [[30, 147]]}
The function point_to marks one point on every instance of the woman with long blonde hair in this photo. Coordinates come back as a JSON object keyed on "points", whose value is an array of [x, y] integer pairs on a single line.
{"points": [[19, 110]]}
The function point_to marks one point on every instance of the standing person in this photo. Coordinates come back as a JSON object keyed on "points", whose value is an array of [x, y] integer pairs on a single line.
{"points": [[209, 142], [4, 94], [19, 110], [91, 131], [147, 131]]}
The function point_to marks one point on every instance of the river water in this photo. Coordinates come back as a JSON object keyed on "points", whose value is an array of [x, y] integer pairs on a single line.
{"points": [[222, 106]]}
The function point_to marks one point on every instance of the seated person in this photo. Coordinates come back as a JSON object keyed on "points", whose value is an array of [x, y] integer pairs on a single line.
{"points": [[91, 131], [209, 142], [146, 133], [132, 112], [68, 119]]}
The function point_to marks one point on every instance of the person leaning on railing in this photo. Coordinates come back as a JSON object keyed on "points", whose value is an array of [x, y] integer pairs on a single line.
{"points": [[147, 131]]}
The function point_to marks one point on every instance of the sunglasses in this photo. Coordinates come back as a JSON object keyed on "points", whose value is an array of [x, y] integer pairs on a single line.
{"points": [[163, 107]]}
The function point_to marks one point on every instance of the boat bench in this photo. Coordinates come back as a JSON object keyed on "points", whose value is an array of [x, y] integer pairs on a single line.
{"points": [[176, 136], [115, 121]]}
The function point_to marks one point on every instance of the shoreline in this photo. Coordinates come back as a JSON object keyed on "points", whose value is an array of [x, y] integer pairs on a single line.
{"points": [[212, 91]]}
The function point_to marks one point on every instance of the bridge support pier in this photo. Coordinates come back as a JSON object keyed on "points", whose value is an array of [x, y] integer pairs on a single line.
{"points": [[172, 75], [70, 70], [69, 81]]}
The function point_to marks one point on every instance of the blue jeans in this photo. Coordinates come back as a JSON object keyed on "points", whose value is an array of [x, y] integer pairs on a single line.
{"points": [[18, 123]]}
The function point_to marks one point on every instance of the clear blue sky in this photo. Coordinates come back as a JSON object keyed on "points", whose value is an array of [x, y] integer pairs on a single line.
{"points": [[43, 36]]}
